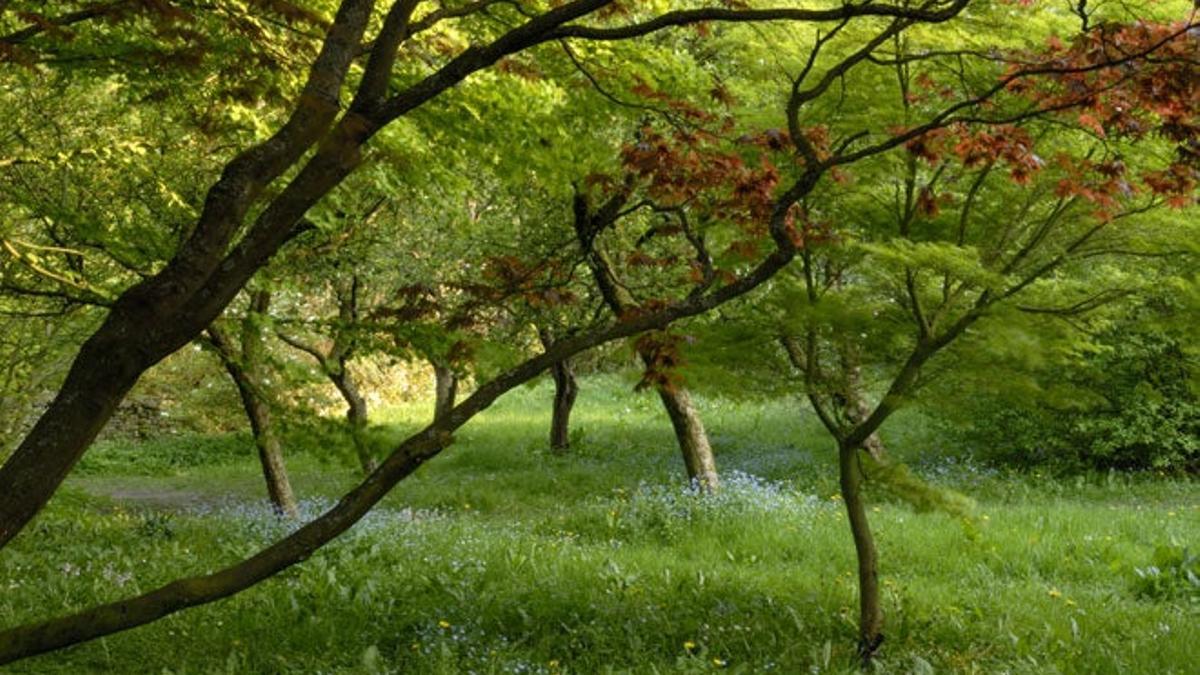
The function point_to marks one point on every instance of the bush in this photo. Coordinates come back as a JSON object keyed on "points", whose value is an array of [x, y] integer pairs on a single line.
{"points": [[1132, 406]]}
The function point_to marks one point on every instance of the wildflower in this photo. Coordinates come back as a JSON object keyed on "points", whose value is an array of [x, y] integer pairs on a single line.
{"points": [[442, 623], [1055, 593], [689, 645], [720, 663], [553, 663]]}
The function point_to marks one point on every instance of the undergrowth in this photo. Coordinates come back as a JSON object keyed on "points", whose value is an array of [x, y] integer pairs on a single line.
{"points": [[501, 557]]}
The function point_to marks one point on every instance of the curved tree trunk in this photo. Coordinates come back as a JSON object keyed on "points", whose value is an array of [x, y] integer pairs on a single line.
{"points": [[566, 389], [356, 416], [870, 622], [693, 441], [446, 385]]}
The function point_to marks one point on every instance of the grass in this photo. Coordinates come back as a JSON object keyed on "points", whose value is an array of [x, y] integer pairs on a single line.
{"points": [[499, 557]]}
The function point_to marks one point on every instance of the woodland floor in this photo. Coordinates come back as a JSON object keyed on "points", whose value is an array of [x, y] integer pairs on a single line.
{"points": [[499, 557]]}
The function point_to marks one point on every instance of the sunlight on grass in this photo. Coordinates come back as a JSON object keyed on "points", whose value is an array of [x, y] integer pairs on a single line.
{"points": [[499, 557]]}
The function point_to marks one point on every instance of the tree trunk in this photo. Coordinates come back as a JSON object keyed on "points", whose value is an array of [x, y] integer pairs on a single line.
{"points": [[356, 415], [698, 457], [245, 369], [858, 408], [446, 383], [103, 373], [870, 623], [693, 441], [565, 391], [270, 454]]}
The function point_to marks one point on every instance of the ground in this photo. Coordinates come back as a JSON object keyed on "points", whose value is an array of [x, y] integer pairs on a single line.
{"points": [[500, 557]]}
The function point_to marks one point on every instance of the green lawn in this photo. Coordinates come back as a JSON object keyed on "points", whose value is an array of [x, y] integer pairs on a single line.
{"points": [[499, 557]]}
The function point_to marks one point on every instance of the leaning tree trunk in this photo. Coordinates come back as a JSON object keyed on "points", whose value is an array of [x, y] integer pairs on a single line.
{"points": [[870, 622], [245, 369], [446, 385], [698, 457], [270, 452], [693, 441], [103, 372], [356, 415], [566, 389]]}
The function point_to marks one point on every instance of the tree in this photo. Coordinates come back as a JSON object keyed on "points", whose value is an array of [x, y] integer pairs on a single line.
{"points": [[900, 279], [221, 252], [244, 359]]}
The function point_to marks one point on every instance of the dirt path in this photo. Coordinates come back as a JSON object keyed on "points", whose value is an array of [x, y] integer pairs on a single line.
{"points": [[155, 494]]}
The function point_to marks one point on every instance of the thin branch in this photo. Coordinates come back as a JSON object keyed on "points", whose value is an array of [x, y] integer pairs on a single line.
{"points": [[924, 13]]}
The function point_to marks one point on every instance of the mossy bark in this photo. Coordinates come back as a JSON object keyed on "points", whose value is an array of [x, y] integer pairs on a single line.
{"points": [[246, 369], [446, 390]]}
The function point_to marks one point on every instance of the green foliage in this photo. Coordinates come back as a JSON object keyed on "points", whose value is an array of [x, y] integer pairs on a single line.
{"points": [[1131, 403], [899, 480], [166, 455], [499, 557], [1174, 573]]}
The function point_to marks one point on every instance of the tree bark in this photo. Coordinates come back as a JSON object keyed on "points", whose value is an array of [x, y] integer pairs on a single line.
{"points": [[102, 374], [870, 622], [697, 452], [446, 386], [266, 440], [356, 416], [566, 389], [858, 408], [246, 371], [693, 441]]}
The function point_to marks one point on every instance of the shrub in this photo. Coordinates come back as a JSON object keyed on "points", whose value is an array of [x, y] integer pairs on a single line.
{"points": [[1132, 406]]}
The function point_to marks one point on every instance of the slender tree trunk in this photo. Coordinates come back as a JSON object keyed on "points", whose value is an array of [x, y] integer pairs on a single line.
{"points": [[245, 369], [870, 623], [565, 391], [446, 384], [270, 453], [356, 416], [566, 388], [698, 457], [693, 441], [858, 408]]}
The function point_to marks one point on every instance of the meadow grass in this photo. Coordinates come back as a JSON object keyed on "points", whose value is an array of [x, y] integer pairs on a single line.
{"points": [[500, 557]]}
